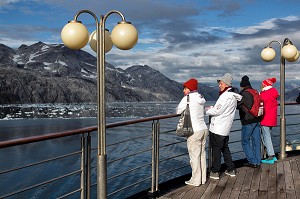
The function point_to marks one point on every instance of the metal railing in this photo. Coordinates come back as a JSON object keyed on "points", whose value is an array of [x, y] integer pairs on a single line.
{"points": [[147, 154]]}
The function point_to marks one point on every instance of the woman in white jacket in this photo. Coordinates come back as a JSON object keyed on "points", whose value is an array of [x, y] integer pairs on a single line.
{"points": [[222, 113], [196, 142]]}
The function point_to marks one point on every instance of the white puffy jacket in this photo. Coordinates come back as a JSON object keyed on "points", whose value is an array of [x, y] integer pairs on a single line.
{"points": [[223, 113], [196, 110]]}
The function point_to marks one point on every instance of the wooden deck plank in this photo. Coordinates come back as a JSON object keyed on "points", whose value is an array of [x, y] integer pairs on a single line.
{"points": [[190, 193], [200, 191], [245, 191], [220, 187], [295, 168], [229, 186], [272, 186], [209, 190], [264, 181], [177, 192], [236, 190], [289, 183], [279, 180], [255, 184]]}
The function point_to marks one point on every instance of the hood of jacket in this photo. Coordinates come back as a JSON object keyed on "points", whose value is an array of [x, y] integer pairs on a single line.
{"points": [[237, 96]]}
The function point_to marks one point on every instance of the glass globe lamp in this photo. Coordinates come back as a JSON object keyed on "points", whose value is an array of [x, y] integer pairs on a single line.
{"points": [[124, 35], [289, 51], [294, 58], [107, 45], [268, 54], [75, 35]]}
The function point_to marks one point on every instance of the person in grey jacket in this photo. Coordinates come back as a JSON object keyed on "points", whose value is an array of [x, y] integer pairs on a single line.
{"points": [[196, 142], [222, 115]]}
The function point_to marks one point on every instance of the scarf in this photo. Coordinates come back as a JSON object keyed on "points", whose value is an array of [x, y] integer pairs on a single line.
{"points": [[221, 92]]}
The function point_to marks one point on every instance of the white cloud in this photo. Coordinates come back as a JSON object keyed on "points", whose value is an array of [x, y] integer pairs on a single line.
{"points": [[180, 42]]}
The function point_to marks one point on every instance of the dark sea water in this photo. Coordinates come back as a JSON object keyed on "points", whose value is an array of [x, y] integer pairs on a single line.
{"points": [[18, 121], [24, 121]]}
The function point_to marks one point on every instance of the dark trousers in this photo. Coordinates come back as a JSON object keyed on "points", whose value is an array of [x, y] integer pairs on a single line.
{"points": [[219, 144]]}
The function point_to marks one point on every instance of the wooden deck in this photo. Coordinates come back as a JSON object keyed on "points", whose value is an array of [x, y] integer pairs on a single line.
{"points": [[280, 180]]}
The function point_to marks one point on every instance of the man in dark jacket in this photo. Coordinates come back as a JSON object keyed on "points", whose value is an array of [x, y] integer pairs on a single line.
{"points": [[298, 99], [250, 126]]}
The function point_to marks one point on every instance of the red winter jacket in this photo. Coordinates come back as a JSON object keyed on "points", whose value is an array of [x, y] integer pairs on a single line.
{"points": [[269, 96]]}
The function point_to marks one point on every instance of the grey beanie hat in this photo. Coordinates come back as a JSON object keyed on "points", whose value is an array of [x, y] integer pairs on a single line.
{"points": [[227, 79]]}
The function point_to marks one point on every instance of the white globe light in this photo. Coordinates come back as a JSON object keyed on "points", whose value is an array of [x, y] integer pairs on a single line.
{"points": [[268, 54], [124, 36], [75, 35], [294, 58], [107, 41], [289, 51]]}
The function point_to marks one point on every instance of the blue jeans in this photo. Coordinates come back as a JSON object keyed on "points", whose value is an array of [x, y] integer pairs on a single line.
{"points": [[267, 140], [251, 142]]}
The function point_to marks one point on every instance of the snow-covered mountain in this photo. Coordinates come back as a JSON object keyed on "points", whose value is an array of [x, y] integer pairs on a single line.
{"points": [[43, 73]]}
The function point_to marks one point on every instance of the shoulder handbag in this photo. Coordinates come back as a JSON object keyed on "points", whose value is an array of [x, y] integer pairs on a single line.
{"points": [[184, 126]]}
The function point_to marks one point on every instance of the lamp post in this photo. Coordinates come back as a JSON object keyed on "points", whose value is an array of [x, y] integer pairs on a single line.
{"points": [[124, 36], [290, 53]]}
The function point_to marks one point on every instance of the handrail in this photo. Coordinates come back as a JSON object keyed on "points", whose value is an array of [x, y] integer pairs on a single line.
{"points": [[147, 119], [20, 141], [31, 139]]}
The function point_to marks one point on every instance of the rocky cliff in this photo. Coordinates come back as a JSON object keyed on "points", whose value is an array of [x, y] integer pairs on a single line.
{"points": [[42, 73]]}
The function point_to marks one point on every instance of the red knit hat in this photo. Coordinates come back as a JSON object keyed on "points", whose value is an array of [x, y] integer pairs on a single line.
{"points": [[191, 84], [268, 82]]}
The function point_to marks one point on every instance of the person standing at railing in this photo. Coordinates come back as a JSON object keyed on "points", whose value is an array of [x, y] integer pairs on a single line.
{"points": [[250, 126], [196, 142], [222, 115], [269, 95], [298, 99]]}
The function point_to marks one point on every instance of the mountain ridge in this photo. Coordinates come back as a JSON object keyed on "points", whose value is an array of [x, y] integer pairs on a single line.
{"points": [[53, 73]]}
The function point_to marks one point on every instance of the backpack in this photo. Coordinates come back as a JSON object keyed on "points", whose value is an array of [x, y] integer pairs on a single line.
{"points": [[257, 108]]}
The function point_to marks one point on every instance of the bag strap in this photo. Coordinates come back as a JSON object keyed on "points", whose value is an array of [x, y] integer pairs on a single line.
{"points": [[252, 92]]}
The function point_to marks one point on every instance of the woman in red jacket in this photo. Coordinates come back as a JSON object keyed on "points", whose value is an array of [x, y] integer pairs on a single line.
{"points": [[269, 95]]}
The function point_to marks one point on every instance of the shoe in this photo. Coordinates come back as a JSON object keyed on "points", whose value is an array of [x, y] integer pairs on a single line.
{"points": [[190, 183], [214, 175], [270, 160], [231, 173], [267, 161], [251, 165]]}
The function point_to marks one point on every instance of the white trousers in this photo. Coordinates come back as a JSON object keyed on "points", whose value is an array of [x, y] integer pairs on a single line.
{"points": [[196, 148]]}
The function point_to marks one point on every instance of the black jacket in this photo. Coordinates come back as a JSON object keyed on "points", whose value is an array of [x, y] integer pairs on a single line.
{"points": [[247, 101], [298, 99]]}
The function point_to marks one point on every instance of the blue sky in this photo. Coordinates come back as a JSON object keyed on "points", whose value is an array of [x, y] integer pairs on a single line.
{"points": [[181, 38]]}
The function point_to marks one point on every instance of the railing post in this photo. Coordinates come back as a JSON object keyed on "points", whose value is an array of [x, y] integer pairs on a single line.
{"points": [[209, 150], [88, 166], [85, 181], [153, 157], [83, 168], [157, 154], [154, 181], [262, 147]]}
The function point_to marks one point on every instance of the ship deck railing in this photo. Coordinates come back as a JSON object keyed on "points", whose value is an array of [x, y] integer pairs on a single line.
{"points": [[150, 157]]}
